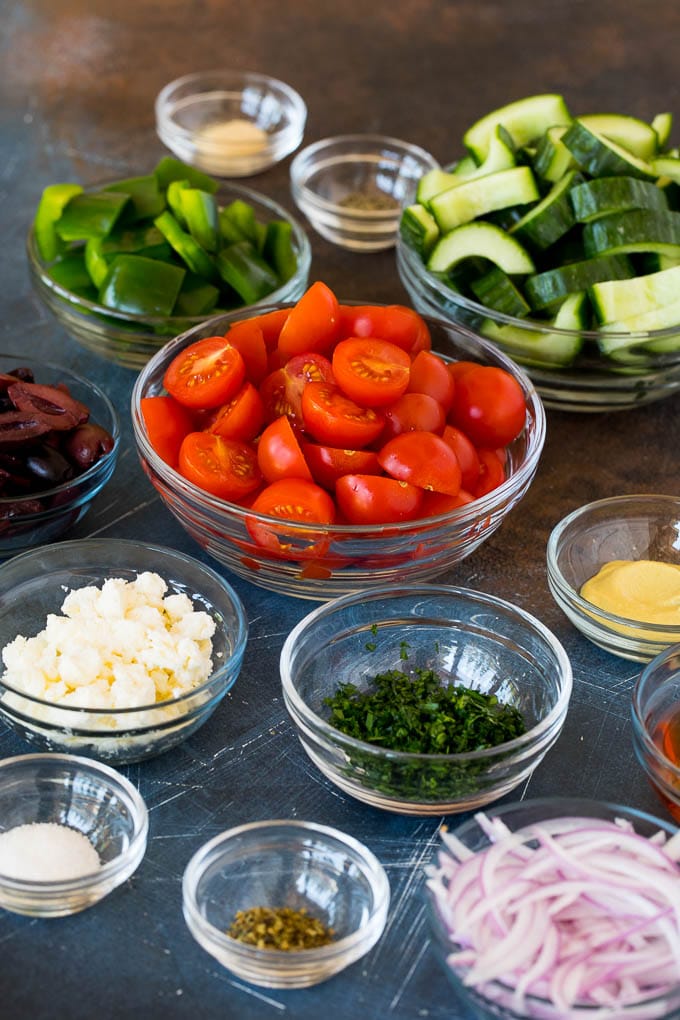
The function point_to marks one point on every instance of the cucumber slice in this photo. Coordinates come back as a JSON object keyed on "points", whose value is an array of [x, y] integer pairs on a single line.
{"points": [[632, 231], [633, 349], [419, 229], [501, 156], [550, 218], [553, 159], [601, 157], [476, 197], [604, 195], [634, 135], [435, 181], [525, 120], [482, 240], [614, 300], [663, 125], [496, 290], [547, 289], [667, 166], [545, 349]]}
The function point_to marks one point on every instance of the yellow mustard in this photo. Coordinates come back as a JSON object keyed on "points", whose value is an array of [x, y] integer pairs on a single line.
{"points": [[642, 590]]}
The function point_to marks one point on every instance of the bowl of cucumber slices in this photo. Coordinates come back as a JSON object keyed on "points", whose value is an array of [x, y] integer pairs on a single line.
{"points": [[557, 237]]}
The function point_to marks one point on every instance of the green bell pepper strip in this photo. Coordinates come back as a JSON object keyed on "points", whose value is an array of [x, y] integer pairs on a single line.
{"points": [[244, 269], [171, 169], [196, 297], [141, 286], [201, 216], [70, 272], [147, 198], [241, 216], [91, 215], [138, 240], [95, 262], [52, 202], [173, 197], [229, 231], [188, 249], [278, 249]]}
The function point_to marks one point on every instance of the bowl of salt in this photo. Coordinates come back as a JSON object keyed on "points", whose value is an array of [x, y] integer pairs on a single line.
{"points": [[71, 831]]}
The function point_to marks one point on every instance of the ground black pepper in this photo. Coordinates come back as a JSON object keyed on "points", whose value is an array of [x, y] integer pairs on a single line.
{"points": [[279, 928]]}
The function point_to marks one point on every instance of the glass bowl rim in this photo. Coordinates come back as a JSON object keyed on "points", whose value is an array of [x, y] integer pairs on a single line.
{"points": [[640, 728], [336, 737]]}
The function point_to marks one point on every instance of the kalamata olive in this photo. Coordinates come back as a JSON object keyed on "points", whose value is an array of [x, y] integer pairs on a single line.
{"points": [[20, 427], [86, 444], [49, 466], [53, 405], [7, 378]]}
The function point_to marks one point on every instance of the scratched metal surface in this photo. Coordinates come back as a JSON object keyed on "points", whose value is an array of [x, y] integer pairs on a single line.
{"points": [[78, 82]]}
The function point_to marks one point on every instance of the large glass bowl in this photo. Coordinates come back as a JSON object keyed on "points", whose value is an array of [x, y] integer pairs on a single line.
{"points": [[34, 584], [324, 561], [130, 340], [592, 382], [465, 637], [656, 726]]}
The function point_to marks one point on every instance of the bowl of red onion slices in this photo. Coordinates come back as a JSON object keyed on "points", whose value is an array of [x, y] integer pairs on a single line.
{"points": [[560, 908]]}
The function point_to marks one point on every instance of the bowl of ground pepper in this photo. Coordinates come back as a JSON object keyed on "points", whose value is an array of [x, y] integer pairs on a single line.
{"points": [[352, 188], [425, 699], [285, 903]]}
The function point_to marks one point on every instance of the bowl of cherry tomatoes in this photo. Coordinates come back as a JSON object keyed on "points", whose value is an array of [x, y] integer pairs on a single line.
{"points": [[321, 447]]}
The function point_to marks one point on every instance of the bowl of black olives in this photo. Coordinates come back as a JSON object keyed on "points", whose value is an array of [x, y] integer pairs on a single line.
{"points": [[59, 441]]}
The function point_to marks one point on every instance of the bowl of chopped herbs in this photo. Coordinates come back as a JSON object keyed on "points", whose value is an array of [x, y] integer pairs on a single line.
{"points": [[425, 699]]}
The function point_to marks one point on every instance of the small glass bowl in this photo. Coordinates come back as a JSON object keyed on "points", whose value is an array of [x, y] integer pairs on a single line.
{"points": [[592, 382], [655, 710], [35, 584], [22, 524], [637, 527], [84, 795], [293, 864], [130, 340], [325, 561], [494, 999], [465, 637], [352, 188], [206, 99]]}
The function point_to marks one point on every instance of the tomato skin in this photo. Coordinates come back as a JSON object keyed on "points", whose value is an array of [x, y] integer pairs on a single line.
{"points": [[242, 417], [279, 454], [205, 374], [371, 371], [312, 324], [436, 503], [466, 454], [458, 368], [332, 418], [295, 499], [397, 323], [424, 459], [430, 374], [225, 468], [271, 324], [376, 499], [328, 463], [247, 338], [166, 423], [413, 411], [491, 472], [489, 406]]}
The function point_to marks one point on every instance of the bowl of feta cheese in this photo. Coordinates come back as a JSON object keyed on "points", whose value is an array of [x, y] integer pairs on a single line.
{"points": [[114, 649]]}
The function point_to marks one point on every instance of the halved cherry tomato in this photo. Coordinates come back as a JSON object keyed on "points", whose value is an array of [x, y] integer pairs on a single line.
{"points": [[489, 406], [242, 417], [279, 454], [430, 374], [413, 411], [207, 373], [166, 423], [296, 499], [271, 324], [458, 368], [466, 454], [226, 468], [371, 371], [397, 323], [274, 393], [491, 472], [312, 324], [282, 389], [331, 417], [376, 499], [248, 340], [423, 459], [436, 503], [328, 463]]}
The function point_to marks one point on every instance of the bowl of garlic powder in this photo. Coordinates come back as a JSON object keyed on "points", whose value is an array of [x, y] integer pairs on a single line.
{"points": [[114, 649]]}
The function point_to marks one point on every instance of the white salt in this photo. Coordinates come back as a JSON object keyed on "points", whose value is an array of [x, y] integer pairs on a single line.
{"points": [[46, 852]]}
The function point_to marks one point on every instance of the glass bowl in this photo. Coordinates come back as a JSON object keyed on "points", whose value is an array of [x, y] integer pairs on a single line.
{"points": [[638, 527], [286, 864], [352, 188], [266, 121], [592, 382], [465, 637], [91, 798], [324, 561], [494, 998], [130, 340], [34, 584], [38, 518], [655, 710]]}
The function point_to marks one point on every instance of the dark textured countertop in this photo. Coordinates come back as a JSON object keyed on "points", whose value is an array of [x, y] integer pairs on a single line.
{"points": [[78, 82]]}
